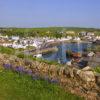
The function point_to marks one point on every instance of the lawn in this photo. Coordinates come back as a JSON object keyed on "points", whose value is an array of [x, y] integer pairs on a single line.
{"points": [[14, 86]]}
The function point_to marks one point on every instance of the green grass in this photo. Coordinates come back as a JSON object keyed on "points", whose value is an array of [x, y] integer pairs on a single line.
{"points": [[11, 51], [14, 86], [24, 32], [7, 50], [97, 69], [21, 55]]}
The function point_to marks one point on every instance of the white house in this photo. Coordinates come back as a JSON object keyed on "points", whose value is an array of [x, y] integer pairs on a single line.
{"points": [[15, 38]]}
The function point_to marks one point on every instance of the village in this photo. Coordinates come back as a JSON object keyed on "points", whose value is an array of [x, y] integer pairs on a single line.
{"points": [[80, 75], [38, 42], [37, 46], [49, 50]]}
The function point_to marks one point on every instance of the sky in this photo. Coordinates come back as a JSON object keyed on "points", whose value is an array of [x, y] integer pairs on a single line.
{"points": [[46, 13]]}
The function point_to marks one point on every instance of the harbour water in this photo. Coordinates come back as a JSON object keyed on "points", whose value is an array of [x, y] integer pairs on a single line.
{"points": [[60, 55]]}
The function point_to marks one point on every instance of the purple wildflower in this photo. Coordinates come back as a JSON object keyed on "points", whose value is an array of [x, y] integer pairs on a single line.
{"points": [[19, 69], [7, 66]]}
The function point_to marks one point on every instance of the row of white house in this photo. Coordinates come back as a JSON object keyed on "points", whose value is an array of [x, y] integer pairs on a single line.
{"points": [[17, 42]]}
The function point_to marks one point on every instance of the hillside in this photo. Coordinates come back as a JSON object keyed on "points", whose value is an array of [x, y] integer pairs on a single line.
{"points": [[47, 31], [14, 86]]}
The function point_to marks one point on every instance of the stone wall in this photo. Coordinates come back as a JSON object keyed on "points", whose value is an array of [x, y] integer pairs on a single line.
{"points": [[81, 82]]}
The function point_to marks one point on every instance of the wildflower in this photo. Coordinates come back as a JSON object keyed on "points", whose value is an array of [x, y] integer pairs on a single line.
{"points": [[19, 69], [7, 66]]}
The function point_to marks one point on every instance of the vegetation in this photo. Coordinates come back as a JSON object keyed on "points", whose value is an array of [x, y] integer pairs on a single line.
{"points": [[14, 86], [97, 48], [19, 54], [97, 69], [49, 31], [7, 50]]}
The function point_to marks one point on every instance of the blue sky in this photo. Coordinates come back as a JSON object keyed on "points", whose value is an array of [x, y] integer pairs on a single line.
{"points": [[44, 13]]}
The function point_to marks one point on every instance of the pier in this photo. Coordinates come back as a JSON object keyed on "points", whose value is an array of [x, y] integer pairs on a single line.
{"points": [[42, 51]]}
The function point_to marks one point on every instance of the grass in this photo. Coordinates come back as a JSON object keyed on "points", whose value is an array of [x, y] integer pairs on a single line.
{"points": [[14, 86], [24, 32], [11, 51], [21, 55], [7, 50], [97, 69]]}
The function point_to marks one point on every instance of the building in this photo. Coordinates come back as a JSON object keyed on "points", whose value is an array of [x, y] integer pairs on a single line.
{"points": [[86, 34], [70, 32], [15, 38]]}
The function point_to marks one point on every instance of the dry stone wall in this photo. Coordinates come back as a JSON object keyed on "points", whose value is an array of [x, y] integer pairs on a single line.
{"points": [[81, 82]]}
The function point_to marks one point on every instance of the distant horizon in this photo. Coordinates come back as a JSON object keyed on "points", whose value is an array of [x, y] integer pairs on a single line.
{"points": [[53, 27]]}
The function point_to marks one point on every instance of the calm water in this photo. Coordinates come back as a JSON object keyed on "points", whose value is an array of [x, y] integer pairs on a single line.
{"points": [[61, 54]]}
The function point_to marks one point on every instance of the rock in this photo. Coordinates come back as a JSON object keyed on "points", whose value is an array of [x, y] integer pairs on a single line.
{"points": [[87, 76], [91, 95], [91, 54], [71, 71], [61, 71], [87, 68], [78, 81], [66, 72], [69, 63], [97, 76]]}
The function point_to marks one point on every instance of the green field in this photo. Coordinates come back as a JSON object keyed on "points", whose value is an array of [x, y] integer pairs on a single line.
{"points": [[14, 86], [53, 31]]}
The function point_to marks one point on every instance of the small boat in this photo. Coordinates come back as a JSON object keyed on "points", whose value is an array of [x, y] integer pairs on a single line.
{"points": [[38, 56], [74, 55], [77, 54]]}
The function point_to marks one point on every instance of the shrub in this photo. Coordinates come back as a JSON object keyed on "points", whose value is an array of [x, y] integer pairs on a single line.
{"points": [[7, 50], [97, 69]]}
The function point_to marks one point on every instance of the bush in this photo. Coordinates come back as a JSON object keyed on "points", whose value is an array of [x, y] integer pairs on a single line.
{"points": [[7, 50], [97, 69], [21, 55]]}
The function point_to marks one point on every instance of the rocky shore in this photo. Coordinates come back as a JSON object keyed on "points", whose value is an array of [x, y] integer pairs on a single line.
{"points": [[82, 82]]}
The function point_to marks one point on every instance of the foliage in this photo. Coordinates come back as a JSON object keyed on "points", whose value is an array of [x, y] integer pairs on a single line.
{"points": [[12, 51], [21, 55], [7, 50], [97, 69], [30, 47], [48, 31], [46, 61], [97, 48]]}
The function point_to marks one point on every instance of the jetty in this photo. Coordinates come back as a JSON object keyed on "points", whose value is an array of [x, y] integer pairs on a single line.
{"points": [[56, 43], [42, 50]]}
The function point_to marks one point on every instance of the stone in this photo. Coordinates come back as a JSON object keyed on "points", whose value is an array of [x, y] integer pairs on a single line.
{"points": [[78, 81], [87, 68], [87, 76], [97, 76]]}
